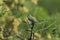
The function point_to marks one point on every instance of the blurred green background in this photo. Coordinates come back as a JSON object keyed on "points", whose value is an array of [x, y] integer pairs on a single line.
{"points": [[14, 21]]}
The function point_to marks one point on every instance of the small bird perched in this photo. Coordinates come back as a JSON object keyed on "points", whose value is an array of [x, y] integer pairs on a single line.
{"points": [[31, 18]]}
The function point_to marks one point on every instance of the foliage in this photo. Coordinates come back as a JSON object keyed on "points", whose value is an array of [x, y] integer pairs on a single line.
{"points": [[14, 23]]}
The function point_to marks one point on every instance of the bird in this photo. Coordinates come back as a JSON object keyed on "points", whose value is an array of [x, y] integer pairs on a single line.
{"points": [[32, 19]]}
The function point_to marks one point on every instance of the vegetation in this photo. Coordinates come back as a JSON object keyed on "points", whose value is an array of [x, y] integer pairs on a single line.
{"points": [[29, 20]]}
